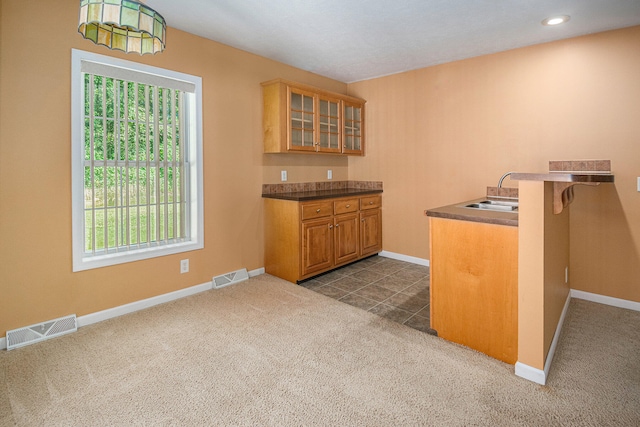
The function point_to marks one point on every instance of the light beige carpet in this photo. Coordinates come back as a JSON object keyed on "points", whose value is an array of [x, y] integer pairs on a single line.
{"points": [[267, 352]]}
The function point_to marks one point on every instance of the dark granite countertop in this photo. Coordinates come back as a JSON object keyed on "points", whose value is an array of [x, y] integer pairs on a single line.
{"points": [[460, 212], [303, 196]]}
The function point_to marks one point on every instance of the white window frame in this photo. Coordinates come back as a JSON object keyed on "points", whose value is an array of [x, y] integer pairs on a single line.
{"points": [[83, 261]]}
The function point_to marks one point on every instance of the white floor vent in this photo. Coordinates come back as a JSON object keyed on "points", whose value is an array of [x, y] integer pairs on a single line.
{"points": [[41, 331], [230, 278]]}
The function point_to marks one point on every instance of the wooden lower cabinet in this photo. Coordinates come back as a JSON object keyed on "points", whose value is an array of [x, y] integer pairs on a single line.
{"points": [[345, 238], [317, 248], [370, 232], [303, 239], [474, 285]]}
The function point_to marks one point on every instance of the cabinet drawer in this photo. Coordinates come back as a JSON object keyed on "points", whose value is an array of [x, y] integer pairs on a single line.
{"points": [[370, 202], [316, 210], [345, 206]]}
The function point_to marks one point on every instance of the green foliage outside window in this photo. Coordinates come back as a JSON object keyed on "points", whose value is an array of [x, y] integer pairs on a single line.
{"points": [[133, 165]]}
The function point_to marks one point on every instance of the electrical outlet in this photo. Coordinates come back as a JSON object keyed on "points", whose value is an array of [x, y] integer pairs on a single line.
{"points": [[184, 266], [283, 176], [329, 174]]}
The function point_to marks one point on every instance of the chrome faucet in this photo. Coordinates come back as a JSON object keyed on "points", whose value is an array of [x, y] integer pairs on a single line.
{"points": [[502, 178]]}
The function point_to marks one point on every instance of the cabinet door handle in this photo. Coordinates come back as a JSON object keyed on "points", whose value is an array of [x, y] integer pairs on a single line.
{"points": [[330, 226], [317, 210], [362, 219]]}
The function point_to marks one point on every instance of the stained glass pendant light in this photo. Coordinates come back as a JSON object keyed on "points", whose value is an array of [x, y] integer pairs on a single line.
{"points": [[125, 25]]}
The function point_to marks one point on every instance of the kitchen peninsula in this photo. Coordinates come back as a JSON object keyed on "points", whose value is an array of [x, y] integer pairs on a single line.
{"points": [[543, 257], [465, 242], [474, 275]]}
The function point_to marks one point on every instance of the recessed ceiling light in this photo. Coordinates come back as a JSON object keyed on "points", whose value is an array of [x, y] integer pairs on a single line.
{"points": [[556, 20]]}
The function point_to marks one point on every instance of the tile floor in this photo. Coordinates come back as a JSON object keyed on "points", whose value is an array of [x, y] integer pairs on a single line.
{"points": [[394, 289]]}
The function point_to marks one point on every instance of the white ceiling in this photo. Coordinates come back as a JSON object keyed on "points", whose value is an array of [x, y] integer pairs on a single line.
{"points": [[353, 40]]}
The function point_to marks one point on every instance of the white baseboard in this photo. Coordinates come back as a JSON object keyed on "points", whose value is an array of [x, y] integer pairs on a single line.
{"points": [[537, 375], [602, 299], [407, 258], [150, 302], [532, 374], [256, 272], [110, 313]]}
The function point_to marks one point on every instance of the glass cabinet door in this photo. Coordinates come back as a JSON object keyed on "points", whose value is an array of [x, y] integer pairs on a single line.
{"points": [[301, 120], [353, 125], [329, 125]]}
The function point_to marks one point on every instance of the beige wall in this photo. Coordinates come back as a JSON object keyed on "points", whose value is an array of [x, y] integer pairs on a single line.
{"points": [[442, 134], [36, 282], [435, 136]]}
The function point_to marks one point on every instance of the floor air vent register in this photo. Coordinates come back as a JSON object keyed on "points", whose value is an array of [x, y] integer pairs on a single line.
{"points": [[230, 278], [41, 331]]}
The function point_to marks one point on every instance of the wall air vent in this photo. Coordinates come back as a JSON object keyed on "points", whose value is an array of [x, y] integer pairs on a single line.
{"points": [[41, 331], [230, 278]]}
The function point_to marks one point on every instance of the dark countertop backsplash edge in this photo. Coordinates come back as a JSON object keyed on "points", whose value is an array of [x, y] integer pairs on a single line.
{"points": [[320, 190]]}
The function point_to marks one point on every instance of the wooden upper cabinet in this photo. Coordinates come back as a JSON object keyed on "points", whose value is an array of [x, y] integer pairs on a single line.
{"points": [[303, 119], [302, 113], [329, 119], [353, 126]]}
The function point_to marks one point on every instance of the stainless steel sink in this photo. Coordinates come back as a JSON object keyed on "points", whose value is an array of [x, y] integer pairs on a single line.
{"points": [[494, 205]]}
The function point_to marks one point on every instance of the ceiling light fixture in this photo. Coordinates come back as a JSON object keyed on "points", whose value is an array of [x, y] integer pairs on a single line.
{"points": [[124, 25], [556, 20]]}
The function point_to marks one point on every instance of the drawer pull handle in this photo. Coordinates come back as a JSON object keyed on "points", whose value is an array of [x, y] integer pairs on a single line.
{"points": [[317, 210], [348, 206], [371, 202]]}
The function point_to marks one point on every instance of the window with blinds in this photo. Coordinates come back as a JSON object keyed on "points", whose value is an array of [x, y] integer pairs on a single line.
{"points": [[138, 170]]}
